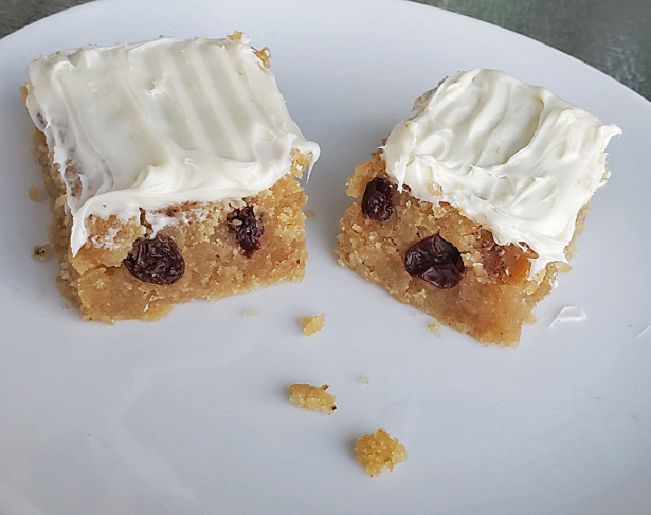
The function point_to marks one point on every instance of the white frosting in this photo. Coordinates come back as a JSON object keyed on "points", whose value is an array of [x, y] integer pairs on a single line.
{"points": [[156, 123], [512, 157]]}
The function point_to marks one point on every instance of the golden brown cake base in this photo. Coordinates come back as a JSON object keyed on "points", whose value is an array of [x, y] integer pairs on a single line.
{"points": [[494, 297], [214, 263]]}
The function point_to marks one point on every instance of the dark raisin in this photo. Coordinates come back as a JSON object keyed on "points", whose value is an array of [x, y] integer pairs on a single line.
{"points": [[436, 261], [155, 260], [377, 202], [248, 229]]}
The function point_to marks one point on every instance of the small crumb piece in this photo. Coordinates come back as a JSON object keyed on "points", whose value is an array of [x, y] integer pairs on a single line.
{"points": [[312, 324], [374, 451], [312, 397], [433, 326], [250, 313], [309, 214], [363, 379], [43, 252], [35, 194]]}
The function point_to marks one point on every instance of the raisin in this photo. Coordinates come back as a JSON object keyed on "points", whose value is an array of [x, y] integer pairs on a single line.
{"points": [[248, 229], [155, 260], [377, 202], [436, 261]]}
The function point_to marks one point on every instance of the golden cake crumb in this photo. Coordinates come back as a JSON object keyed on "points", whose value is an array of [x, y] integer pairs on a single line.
{"points": [[434, 326], [43, 252], [363, 379], [312, 324], [374, 451], [250, 313], [309, 214], [235, 36], [265, 56], [35, 194], [312, 397]]}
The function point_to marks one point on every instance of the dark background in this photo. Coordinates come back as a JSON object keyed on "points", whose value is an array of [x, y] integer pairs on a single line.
{"points": [[613, 36]]}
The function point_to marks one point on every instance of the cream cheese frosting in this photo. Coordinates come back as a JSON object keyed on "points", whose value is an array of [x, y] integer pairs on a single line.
{"points": [[514, 158], [150, 124]]}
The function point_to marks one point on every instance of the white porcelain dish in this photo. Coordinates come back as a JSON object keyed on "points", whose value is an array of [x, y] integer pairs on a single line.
{"points": [[190, 415]]}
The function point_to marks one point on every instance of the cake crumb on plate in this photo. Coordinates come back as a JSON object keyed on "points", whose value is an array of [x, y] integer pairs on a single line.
{"points": [[377, 450], [310, 397], [434, 327], [249, 313], [312, 323], [35, 194]]}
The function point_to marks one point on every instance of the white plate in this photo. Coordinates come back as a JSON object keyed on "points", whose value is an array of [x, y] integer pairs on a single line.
{"points": [[190, 415]]}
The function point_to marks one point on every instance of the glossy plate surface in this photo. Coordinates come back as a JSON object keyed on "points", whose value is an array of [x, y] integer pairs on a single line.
{"points": [[190, 415]]}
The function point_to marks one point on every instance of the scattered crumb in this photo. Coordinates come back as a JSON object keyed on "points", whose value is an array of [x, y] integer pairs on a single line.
{"points": [[569, 314], [43, 252], [374, 451], [312, 397], [312, 324], [309, 214], [250, 313], [363, 379], [35, 194], [434, 326], [644, 331]]}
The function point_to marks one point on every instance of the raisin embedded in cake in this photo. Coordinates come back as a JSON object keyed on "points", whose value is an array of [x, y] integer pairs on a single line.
{"points": [[472, 206], [310, 397], [173, 167]]}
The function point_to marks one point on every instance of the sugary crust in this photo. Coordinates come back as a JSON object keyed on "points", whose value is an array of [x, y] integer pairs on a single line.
{"points": [[215, 266], [493, 299]]}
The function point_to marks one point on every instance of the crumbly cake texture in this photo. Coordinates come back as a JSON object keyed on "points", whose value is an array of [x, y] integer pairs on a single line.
{"points": [[495, 296], [312, 323], [314, 398], [169, 194], [215, 265], [473, 203], [377, 450]]}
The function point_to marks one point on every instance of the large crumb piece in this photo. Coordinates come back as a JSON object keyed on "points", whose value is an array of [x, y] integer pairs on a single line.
{"points": [[313, 324], [374, 451], [312, 397], [434, 327]]}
